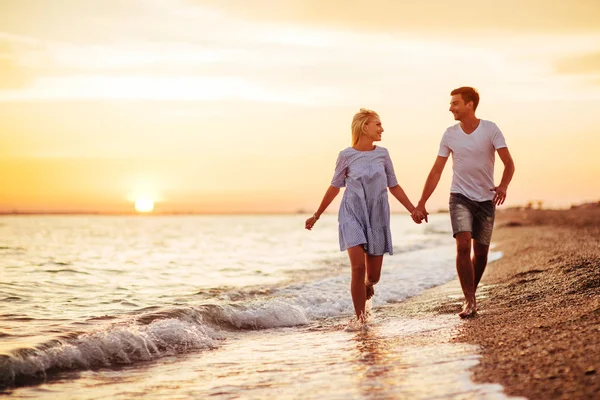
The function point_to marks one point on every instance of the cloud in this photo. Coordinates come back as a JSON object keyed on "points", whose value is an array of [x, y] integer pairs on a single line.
{"points": [[227, 50], [166, 88], [58, 20], [13, 74], [475, 16], [583, 64]]}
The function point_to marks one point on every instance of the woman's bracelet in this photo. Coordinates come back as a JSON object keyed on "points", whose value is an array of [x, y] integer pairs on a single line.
{"points": [[315, 216]]}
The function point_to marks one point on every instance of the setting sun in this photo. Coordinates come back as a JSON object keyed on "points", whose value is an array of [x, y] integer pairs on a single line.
{"points": [[144, 205]]}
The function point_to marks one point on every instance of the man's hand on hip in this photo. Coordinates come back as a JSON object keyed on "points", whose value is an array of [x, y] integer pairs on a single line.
{"points": [[500, 194]]}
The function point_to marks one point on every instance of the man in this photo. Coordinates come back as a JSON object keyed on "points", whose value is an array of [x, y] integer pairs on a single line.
{"points": [[473, 196]]}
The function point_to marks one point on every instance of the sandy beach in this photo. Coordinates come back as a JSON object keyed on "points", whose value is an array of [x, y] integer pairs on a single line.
{"points": [[538, 325]]}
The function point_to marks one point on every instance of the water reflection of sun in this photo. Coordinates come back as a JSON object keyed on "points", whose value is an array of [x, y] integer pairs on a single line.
{"points": [[144, 205]]}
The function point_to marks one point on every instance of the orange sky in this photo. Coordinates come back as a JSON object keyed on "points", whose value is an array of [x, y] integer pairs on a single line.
{"points": [[219, 106]]}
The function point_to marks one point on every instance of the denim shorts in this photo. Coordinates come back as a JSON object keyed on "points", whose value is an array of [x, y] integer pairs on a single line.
{"points": [[476, 217]]}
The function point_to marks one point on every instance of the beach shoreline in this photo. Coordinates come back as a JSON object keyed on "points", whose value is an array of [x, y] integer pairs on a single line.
{"points": [[539, 306]]}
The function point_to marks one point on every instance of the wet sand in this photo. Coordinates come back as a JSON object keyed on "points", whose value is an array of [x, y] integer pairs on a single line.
{"points": [[538, 325]]}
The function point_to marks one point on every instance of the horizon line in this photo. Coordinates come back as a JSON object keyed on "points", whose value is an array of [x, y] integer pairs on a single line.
{"points": [[134, 213]]}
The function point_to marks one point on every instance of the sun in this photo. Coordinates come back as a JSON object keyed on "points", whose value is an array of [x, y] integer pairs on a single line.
{"points": [[144, 205]]}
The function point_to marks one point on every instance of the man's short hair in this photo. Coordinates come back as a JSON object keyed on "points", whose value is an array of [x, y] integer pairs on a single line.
{"points": [[468, 94]]}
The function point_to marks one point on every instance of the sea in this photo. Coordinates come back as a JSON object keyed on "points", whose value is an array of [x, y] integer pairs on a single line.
{"points": [[221, 307]]}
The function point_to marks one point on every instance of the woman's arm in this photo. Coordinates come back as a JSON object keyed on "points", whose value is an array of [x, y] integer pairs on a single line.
{"points": [[399, 194], [330, 194]]}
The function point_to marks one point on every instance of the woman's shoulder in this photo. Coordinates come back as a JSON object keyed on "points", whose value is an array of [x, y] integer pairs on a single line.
{"points": [[381, 151], [352, 151], [347, 150]]}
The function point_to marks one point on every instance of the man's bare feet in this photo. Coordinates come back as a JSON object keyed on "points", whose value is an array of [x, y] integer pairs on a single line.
{"points": [[370, 291], [469, 310]]}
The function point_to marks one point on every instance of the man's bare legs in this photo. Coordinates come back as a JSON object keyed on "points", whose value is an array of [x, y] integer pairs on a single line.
{"points": [[480, 258], [373, 273], [464, 268]]}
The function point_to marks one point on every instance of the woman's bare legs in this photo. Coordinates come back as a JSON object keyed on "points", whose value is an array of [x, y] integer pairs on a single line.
{"points": [[373, 273], [366, 271], [357, 285]]}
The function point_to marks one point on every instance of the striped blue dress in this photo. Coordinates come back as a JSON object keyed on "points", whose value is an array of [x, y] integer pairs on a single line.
{"points": [[364, 216]]}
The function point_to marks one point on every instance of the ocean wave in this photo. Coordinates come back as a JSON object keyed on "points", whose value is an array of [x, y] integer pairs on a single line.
{"points": [[66, 270], [56, 263], [12, 298], [144, 337], [155, 332], [112, 346], [7, 250]]}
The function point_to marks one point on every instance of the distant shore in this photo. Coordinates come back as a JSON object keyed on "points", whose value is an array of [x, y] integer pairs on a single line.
{"points": [[183, 213], [162, 211], [538, 325]]}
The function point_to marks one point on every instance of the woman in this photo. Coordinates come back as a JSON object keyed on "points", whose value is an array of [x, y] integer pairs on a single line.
{"points": [[367, 172]]}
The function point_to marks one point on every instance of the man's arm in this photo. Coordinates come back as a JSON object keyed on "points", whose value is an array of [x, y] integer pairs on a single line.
{"points": [[431, 183], [507, 175]]}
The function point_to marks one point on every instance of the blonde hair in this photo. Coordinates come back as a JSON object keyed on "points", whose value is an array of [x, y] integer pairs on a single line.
{"points": [[358, 122]]}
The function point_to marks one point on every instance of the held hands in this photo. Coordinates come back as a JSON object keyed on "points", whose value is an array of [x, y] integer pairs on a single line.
{"points": [[500, 194], [310, 222], [419, 214]]}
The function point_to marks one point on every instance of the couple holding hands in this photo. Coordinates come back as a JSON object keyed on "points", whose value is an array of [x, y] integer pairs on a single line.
{"points": [[367, 173]]}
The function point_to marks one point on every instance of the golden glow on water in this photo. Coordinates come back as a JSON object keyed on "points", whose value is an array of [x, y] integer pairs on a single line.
{"points": [[394, 358]]}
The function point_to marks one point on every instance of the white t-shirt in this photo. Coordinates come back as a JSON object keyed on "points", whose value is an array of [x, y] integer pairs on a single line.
{"points": [[473, 158]]}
